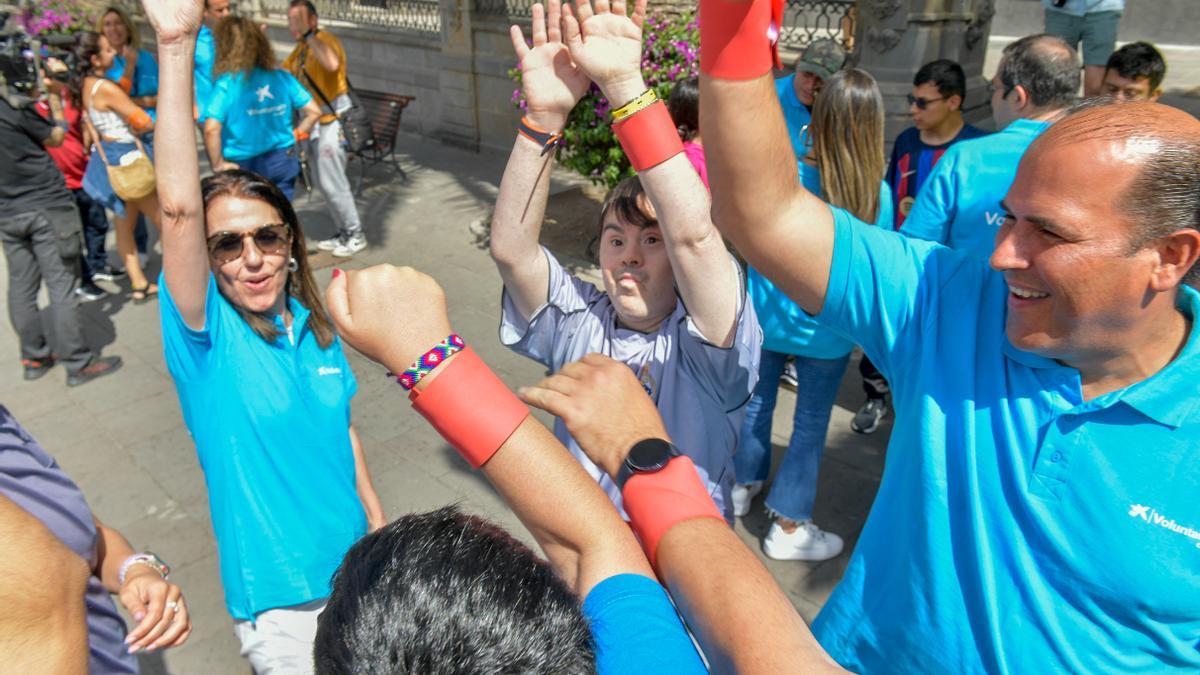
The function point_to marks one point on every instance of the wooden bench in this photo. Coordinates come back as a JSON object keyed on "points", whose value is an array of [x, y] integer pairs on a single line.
{"points": [[385, 111]]}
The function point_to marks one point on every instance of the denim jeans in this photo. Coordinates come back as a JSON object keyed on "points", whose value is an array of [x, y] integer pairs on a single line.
{"points": [[278, 166], [95, 227], [795, 488]]}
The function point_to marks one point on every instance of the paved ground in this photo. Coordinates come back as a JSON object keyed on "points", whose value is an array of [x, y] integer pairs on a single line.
{"points": [[123, 440]]}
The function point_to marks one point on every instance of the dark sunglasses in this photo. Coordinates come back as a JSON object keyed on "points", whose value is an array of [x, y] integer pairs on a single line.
{"points": [[270, 239], [922, 103], [992, 89]]}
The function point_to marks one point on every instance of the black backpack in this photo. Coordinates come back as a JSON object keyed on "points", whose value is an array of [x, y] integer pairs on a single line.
{"points": [[356, 122]]}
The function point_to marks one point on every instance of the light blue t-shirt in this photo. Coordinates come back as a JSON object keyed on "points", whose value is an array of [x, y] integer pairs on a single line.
{"points": [[636, 629], [787, 329], [959, 205], [1017, 528], [271, 423], [255, 111], [145, 75], [202, 74], [1081, 7], [700, 389], [798, 117]]}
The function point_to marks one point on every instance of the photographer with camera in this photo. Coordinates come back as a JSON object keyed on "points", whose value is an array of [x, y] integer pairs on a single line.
{"points": [[39, 228]]}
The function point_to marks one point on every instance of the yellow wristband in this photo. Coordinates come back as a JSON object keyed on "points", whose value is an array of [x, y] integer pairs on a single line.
{"points": [[645, 100]]}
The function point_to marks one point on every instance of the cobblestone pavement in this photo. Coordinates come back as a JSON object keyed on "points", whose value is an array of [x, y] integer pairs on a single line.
{"points": [[123, 440]]}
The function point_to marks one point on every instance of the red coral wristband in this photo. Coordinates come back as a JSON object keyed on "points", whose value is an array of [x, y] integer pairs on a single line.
{"points": [[470, 407], [658, 501], [739, 38], [648, 137]]}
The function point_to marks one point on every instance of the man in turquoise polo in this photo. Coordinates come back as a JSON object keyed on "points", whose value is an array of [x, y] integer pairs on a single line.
{"points": [[959, 205], [797, 92], [1038, 510]]}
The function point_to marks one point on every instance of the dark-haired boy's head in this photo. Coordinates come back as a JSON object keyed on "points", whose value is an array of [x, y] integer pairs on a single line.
{"points": [[937, 94], [1135, 72], [444, 592]]}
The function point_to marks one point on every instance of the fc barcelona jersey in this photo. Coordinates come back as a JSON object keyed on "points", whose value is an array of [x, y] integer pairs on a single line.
{"points": [[912, 161]]}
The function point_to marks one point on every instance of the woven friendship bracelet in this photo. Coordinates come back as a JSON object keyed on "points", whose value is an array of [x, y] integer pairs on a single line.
{"points": [[643, 101], [429, 360]]}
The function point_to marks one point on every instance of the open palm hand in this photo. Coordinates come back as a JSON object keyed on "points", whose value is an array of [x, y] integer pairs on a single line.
{"points": [[552, 83], [604, 42]]}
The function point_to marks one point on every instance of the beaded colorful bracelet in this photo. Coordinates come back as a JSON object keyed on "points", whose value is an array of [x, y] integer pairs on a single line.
{"points": [[430, 360]]}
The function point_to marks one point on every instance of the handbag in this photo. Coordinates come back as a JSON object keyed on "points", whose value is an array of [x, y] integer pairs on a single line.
{"points": [[129, 181], [356, 123]]}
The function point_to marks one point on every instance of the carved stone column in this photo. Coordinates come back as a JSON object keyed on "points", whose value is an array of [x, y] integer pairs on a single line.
{"points": [[457, 109], [896, 37]]}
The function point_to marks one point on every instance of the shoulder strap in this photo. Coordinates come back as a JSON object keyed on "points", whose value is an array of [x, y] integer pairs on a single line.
{"points": [[96, 137]]}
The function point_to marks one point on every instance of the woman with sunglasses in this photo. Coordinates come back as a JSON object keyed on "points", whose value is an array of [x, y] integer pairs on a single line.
{"points": [[262, 379], [845, 167]]}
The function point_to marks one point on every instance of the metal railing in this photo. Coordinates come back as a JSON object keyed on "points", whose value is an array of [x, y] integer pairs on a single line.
{"points": [[808, 20], [803, 20], [511, 8], [419, 16]]}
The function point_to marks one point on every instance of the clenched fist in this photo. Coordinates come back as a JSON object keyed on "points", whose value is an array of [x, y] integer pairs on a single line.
{"points": [[392, 315]]}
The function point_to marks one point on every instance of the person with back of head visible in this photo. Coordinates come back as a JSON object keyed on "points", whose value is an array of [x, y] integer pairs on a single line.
{"points": [[846, 168], [959, 204], [1037, 510], [319, 63], [1135, 72], [798, 91]]}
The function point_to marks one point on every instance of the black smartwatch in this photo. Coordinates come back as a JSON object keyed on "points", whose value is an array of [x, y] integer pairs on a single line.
{"points": [[649, 455]]}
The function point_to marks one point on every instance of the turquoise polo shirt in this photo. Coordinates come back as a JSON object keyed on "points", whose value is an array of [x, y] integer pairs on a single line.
{"points": [[787, 329], [959, 205], [271, 423], [797, 116], [255, 111], [1017, 527]]}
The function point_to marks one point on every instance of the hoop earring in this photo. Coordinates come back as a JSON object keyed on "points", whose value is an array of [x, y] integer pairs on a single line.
{"points": [[293, 265]]}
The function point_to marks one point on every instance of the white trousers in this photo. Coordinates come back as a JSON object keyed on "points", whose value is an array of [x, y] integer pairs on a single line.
{"points": [[280, 641]]}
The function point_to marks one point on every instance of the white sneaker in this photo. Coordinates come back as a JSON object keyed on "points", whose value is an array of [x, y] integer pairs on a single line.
{"points": [[808, 542], [742, 494], [350, 245], [330, 244]]}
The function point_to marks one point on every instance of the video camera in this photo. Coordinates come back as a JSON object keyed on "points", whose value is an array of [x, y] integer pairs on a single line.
{"points": [[21, 58]]}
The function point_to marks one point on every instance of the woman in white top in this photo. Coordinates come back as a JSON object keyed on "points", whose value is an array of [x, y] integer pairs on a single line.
{"points": [[116, 119]]}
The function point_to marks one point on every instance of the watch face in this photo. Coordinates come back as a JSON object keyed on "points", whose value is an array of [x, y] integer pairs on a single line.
{"points": [[651, 454]]}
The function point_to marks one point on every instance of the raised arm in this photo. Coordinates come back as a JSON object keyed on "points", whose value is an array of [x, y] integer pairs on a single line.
{"points": [[393, 315], [185, 254], [607, 45], [552, 86], [744, 621], [781, 229]]}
